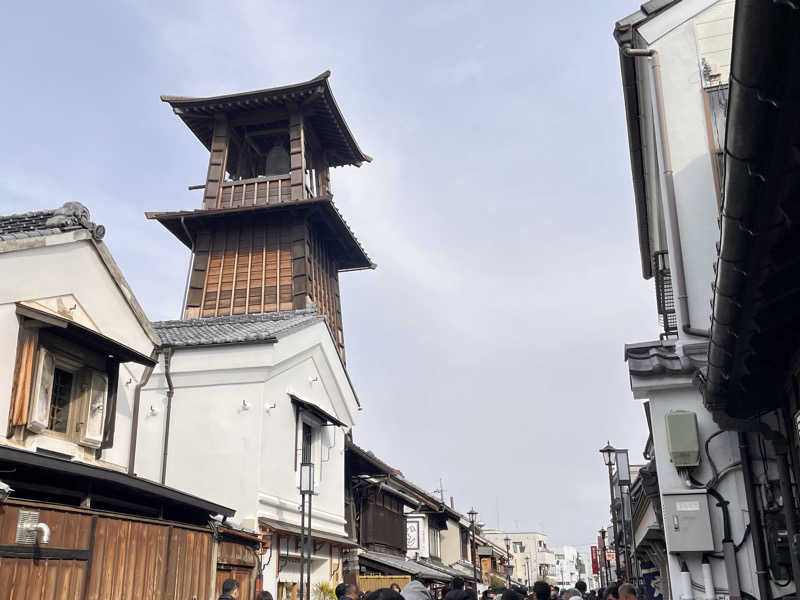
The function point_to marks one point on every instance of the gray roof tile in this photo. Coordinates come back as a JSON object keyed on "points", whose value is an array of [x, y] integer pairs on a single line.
{"points": [[235, 329], [68, 217]]}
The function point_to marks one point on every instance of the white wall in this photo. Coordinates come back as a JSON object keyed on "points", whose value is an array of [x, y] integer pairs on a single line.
{"points": [[233, 433], [683, 36], [725, 451], [69, 264]]}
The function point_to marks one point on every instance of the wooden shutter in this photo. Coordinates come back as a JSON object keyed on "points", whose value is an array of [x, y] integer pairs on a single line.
{"points": [[24, 372], [94, 410], [39, 417]]}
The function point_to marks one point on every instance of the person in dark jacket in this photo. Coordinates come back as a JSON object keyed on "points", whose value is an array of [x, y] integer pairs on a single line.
{"points": [[541, 590], [230, 590], [457, 591]]}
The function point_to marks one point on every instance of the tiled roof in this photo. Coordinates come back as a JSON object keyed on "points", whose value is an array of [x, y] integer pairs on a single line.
{"points": [[236, 329], [68, 217], [404, 565], [658, 358]]}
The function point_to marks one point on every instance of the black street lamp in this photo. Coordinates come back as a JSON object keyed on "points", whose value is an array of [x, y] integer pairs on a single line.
{"points": [[509, 568], [609, 456], [606, 566], [473, 514], [306, 544]]}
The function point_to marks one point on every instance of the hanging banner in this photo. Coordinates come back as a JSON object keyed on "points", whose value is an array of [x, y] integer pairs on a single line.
{"points": [[595, 566]]}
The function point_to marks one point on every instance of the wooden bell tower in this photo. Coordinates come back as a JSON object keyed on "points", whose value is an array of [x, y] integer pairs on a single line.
{"points": [[267, 237]]}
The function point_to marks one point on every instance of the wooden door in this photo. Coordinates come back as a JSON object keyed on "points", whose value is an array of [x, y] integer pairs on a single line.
{"points": [[241, 574]]}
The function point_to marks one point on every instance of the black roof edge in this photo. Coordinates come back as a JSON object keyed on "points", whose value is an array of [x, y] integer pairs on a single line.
{"points": [[131, 483], [623, 34], [315, 410], [760, 169]]}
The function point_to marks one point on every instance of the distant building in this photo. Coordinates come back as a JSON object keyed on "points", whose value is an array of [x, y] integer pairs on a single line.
{"points": [[533, 560]]}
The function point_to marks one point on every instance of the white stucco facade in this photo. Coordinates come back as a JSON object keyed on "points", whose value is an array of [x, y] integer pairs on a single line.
{"points": [[72, 276], [533, 559], [234, 433]]}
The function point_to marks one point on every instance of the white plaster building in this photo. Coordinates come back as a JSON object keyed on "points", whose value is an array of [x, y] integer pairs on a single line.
{"points": [[566, 566], [675, 59], [532, 558], [68, 316], [243, 414]]}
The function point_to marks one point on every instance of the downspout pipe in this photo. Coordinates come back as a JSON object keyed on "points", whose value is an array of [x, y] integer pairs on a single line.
{"points": [[168, 418], [148, 371], [675, 250]]}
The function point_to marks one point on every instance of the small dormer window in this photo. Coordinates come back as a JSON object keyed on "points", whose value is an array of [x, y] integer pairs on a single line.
{"points": [[69, 398], [65, 380]]}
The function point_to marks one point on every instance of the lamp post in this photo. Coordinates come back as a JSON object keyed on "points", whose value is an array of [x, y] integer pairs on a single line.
{"points": [[607, 567], [623, 470], [507, 540], [609, 455], [473, 514], [528, 571], [306, 545]]}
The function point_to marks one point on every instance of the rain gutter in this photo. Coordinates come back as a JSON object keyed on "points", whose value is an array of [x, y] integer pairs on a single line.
{"points": [[758, 148], [665, 163]]}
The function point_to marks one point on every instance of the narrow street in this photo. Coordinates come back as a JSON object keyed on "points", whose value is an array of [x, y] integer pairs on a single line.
{"points": [[400, 301]]}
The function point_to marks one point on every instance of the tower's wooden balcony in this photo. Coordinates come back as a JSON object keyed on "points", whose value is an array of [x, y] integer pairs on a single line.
{"points": [[273, 189]]}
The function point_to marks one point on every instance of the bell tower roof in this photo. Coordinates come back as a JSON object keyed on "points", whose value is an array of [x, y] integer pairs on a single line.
{"points": [[314, 97]]}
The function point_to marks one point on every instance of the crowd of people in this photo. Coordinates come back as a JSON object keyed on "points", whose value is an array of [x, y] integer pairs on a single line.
{"points": [[458, 590]]}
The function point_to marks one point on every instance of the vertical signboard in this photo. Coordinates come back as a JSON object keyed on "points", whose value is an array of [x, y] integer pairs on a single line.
{"points": [[595, 566]]}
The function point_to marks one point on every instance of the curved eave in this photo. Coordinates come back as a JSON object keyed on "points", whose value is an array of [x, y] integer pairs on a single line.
{"points": [[755, 315], [352, 255], [196, 112]]}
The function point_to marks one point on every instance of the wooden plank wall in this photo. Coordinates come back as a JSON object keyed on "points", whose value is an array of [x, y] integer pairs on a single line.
{"points": [[323, 285], [107, 558], [127, 560], [244, 268], [26, 579], [263, 265], [190, 568]]}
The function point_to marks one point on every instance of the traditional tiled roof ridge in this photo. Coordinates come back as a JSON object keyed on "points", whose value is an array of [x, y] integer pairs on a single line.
{"points": [[69, 216], [225, 319], [234, 329]]}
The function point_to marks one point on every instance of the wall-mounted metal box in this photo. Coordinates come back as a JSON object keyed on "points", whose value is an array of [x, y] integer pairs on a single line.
{"points": [[683, 440], [687, 521]]}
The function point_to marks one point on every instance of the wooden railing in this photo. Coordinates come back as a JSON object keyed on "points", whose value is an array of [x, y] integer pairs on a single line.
{"points": [[274, 189]]}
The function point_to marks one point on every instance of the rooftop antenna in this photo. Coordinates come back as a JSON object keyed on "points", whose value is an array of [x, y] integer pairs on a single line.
{"points": [[441, 490], [497, 508]]}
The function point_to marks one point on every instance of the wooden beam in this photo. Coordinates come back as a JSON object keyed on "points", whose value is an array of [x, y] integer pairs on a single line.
{"points": [[217, 161]]}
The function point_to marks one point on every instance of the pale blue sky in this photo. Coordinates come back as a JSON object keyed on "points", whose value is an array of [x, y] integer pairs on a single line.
{"points": [[487, 349]]}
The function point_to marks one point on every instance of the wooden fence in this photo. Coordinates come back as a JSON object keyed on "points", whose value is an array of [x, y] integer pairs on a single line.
{"points": [[370, 583]]}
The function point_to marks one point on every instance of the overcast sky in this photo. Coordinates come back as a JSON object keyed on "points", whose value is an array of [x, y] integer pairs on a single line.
{"points": [[487, 348]]}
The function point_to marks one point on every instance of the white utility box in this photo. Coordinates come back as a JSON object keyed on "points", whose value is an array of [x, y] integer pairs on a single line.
{"points": [[687, 521]]}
